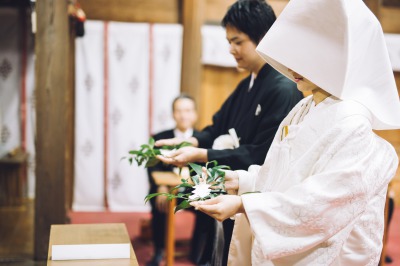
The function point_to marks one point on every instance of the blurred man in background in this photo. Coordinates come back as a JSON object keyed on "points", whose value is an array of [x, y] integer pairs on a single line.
{"points": [[185, 116]]}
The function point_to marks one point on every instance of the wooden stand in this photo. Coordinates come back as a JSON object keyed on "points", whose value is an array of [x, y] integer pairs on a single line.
{"points": [[169, 179], [90, 234]]}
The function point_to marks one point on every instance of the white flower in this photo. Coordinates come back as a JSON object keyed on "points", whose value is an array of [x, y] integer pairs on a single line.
{"points": [[201, 190], [166, 153]]}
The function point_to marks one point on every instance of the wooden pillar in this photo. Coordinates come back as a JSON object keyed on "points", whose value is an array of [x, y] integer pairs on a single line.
{"points": [[192, 20], [374, 5], [54, 103], [70, 119]]}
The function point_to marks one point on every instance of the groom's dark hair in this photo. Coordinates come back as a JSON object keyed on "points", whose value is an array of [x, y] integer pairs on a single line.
{"points": [[252, 17]]}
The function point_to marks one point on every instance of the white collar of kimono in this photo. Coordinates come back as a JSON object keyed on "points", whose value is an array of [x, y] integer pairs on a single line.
{"points": [[338, 45], [184, 135]]}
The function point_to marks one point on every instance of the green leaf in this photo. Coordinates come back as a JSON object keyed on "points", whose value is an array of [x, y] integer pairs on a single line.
{"points": [[185, 185], [150, 196], [152, 162], [195, 179], [214, 163], [219, 167], [250, 192], [184, 144], [151, 142], [197, 168], [183, 205]]}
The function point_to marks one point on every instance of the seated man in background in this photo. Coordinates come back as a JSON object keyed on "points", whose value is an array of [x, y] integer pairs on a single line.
{"points": [[185, 116]]}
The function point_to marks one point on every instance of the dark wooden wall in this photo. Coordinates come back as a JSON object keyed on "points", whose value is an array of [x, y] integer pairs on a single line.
{"points": [[153, 11]]}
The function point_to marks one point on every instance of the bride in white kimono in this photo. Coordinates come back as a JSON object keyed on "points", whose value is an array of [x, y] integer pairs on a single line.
{"points": [[319, 196]]}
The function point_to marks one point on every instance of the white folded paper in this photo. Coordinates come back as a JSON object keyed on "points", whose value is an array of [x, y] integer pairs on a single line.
{"points": [[90, 251]]}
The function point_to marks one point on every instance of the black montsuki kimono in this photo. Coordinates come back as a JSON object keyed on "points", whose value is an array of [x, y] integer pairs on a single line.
{"points": [[255, 114]]}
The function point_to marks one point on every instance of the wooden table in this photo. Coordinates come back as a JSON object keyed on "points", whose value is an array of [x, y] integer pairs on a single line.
{"points": [[169, 179], [90, 234]]}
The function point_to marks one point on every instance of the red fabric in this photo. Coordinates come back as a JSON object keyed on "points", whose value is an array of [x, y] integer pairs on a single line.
{"points": [[151, 84], [23, 78], [105, 111]]}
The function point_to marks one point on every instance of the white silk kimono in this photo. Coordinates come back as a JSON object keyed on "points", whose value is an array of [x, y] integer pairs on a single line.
{"points": [[323, 187]]}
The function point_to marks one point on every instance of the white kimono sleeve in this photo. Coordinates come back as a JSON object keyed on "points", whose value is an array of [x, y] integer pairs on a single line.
{"points": [[352, 168], [247, 179]]}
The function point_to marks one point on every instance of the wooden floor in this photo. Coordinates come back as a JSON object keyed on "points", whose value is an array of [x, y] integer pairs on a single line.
{"points": [[16, 236]]}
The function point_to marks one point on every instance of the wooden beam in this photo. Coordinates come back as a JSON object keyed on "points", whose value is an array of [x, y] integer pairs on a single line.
{"points": [[278, 5], [215, 10], [152, 11], [192, 20], [53, 95]]}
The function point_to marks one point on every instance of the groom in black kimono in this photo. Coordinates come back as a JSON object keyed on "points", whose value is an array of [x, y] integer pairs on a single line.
{"points": [[254, 110]]}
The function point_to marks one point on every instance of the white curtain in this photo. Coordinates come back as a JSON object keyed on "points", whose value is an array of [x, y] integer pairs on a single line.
{"points": [[30, 113], [89, 119], [128, 53], [167, 43], [215, 47], [10, 80], [17, 72], [143, 76]]}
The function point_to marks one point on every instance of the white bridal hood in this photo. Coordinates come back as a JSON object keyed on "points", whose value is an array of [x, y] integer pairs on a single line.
{"points": [[338, 45]]}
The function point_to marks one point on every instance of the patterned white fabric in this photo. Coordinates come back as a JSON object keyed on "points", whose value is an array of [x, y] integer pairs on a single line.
{"points": [[89, 120], [167, 58], [215, 47], [10, 80], [30, 114], [323, 191], [128, 113], [12, 47], [128, 104]]}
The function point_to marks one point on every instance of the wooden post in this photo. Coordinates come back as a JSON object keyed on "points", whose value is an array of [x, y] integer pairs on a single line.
{"points": [[54, 103], [192, 20], [374, 6], [385, 232], [170, 237]]}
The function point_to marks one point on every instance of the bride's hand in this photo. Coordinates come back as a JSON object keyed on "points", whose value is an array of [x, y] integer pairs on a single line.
{"points": [[231, 181], [221, 207]]}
